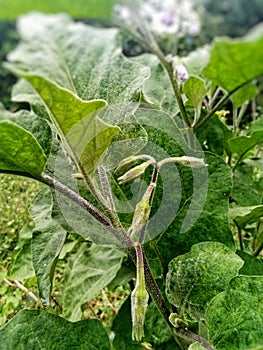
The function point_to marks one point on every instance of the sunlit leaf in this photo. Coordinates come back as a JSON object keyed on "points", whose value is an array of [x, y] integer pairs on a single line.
{"points": [[235, 317], [196, 277], [234, 62], [20, 152]]}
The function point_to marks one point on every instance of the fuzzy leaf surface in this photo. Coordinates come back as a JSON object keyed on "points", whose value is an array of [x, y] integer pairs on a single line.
{"points": [[91, 269], [196, 277], [85, 60], [39, 330], [235, 317], [195, 90], [47, 241]]}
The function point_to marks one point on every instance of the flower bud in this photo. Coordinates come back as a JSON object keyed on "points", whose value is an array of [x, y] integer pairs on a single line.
{"points": [[139, 303], [191, 162], [134, 173], [181, 72], [142, 212], [127, 162]]}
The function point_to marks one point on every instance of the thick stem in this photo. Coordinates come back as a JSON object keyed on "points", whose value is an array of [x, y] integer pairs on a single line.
{"points": [[76, 198]]}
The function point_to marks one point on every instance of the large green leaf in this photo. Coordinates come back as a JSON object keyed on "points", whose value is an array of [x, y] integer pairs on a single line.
{"points": [[212, 220], [91, 269], [47, 242], [39, 330], [77, 122], [196, 277], [234, 62], [69, 64], [235, 317], [85, 60], [20, 152]]}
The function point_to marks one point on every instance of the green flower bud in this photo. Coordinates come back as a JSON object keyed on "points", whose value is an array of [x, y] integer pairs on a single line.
{"points": [[134, 173], [191, 162], [127, 162], [139, 303], [142, 212]]}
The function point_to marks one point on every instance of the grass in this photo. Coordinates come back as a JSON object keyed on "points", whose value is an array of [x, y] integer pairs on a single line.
{"points": [[16, 194], [102, 9]]}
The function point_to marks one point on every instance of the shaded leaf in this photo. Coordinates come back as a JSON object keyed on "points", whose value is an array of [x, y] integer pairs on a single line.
{"points": [[235, 317], [234, 62], [214, 137], [35, 330], [19, 151], [242, 144], [196, 277], [247, 188], [252, 265], [91, 269], [21, 266], [246, 215], [47, 242]]}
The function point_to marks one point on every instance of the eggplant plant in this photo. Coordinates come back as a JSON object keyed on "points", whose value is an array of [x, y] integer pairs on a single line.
{"points": [[151, 168]]}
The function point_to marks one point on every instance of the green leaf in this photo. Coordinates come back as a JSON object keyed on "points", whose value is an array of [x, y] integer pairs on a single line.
{"points": [[85, 133], [156, 326], [212, 221], [157, 90], [90, 270], [242, 144], [235, 317], [252, 265], [31, 122], [47, 242], [85, 60], [246, 215], [195, 90], [35, 330], [196, 277], [20, 152], [249, 194], [234, 62], [214, 137], [21, 266]]}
